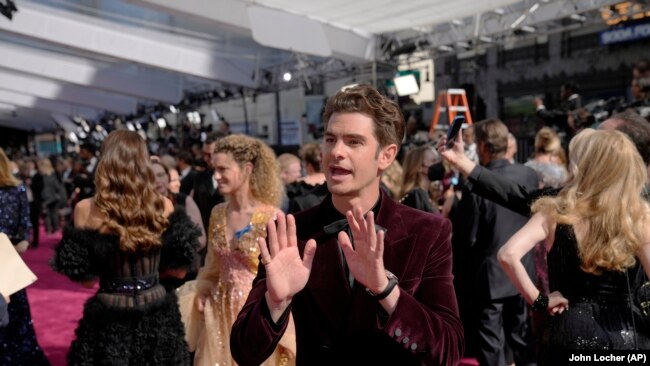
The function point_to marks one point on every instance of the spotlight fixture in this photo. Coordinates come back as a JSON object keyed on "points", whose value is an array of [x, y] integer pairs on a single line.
{"points": [[286, 76], [578, 18], [528, 29], [8, 9], [73, 138]]}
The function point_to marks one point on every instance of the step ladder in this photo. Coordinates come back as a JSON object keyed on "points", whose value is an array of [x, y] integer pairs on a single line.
{"points": [[449, 103]]}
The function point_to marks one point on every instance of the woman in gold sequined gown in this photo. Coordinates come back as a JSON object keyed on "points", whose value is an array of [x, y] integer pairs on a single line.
{"points": [[247, 174]]}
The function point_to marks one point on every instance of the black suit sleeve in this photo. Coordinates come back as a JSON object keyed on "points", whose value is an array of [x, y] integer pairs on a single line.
{"points": [[495, 188], [466, 221]]}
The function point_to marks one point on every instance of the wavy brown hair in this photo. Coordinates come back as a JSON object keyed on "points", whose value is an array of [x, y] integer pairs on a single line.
{"points": [[605, 192], [265, 183], [411, 167], [389, 121], [6, 178], [125, 192]]}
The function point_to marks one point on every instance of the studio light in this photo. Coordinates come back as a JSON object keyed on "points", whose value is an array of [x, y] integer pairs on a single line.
{"points": [[578, 18], [528, 29], [406, 85], [286, 76]]}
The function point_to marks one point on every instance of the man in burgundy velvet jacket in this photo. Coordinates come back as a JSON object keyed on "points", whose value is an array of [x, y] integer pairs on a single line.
{"points": [[359, 292]]}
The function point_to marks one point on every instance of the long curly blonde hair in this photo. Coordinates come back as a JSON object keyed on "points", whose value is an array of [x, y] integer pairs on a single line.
{"points": [[125, 192], [605, 192], [265, 183]]}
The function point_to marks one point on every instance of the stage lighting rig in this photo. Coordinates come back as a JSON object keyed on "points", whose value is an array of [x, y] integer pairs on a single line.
{"points": [[8, 8]]}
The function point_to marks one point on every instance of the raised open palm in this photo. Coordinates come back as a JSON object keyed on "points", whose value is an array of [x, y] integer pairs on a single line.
{"points": [[286, 272], [366, 258]]}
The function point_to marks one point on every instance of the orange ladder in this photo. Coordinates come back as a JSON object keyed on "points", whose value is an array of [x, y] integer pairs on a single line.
{"points": [[451, 101]]}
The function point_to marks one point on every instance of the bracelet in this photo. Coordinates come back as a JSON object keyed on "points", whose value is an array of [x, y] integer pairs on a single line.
{"points": [[540, 304]]}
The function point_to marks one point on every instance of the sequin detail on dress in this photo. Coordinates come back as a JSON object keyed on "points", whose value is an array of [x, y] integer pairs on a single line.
{"points": [[18, 344], [225, 281], [600, 313]]}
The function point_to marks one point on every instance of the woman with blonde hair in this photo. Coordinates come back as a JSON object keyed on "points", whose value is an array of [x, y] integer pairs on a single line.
{"points": [[415, 180], [550, 160], [53, 194], [124, 236], [248, 176], [597, 233], [18, 342]]}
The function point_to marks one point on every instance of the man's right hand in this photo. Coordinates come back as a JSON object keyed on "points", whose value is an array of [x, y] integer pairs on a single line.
{"points": [[286, 272], [456, 155]]}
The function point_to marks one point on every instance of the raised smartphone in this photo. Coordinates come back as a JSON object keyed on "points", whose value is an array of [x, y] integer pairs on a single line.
{"points": [[452, 132]]}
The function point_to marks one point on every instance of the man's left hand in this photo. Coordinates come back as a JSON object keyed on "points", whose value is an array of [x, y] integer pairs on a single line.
{"points": [[366, 258]]}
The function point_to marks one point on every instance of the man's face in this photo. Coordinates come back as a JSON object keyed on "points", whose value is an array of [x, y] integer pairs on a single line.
{"points": [[352, 159], [291, 173], [468, 136], [208, 150]]}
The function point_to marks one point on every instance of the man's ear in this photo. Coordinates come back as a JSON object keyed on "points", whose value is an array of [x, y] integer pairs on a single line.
{"points": [[387, 155]]}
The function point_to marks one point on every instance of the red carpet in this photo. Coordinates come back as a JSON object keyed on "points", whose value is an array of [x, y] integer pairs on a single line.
{"points": [[56, 302]]}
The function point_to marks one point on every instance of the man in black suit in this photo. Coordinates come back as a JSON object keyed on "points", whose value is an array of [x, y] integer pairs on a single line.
{"points": [[519, 198], [482, 228], [33, 181], [563, 117], [205, 192], [84, 181], [187, 174]]}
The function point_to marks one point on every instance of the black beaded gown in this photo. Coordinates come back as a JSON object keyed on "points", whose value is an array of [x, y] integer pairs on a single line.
{"points": [[603, 313], [18, 344], [131, 320]]}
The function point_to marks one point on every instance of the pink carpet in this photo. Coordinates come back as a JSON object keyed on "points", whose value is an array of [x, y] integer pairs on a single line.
{"points": [[56, 302]]}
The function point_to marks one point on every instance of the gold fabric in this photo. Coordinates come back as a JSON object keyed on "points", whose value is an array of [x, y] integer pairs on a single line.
{"points": [[225, 280]]}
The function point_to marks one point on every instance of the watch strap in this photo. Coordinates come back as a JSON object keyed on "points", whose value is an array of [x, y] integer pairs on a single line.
{"points": [[392, 282]]}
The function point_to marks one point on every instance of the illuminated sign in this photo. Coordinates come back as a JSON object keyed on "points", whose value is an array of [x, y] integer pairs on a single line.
{"points": [[625, 34], [623, 12]]}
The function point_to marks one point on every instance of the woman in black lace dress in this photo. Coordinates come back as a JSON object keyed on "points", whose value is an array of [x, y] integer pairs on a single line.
{"points": [[18, 344], [124, 236], [597, 233]]}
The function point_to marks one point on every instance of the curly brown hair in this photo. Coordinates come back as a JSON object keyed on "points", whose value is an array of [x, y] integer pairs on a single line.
{"points": [[125, 192], [265, 183], [389, 121]]}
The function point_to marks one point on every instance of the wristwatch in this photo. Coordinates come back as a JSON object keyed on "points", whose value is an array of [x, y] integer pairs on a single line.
{"points": [[392, 282]]}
